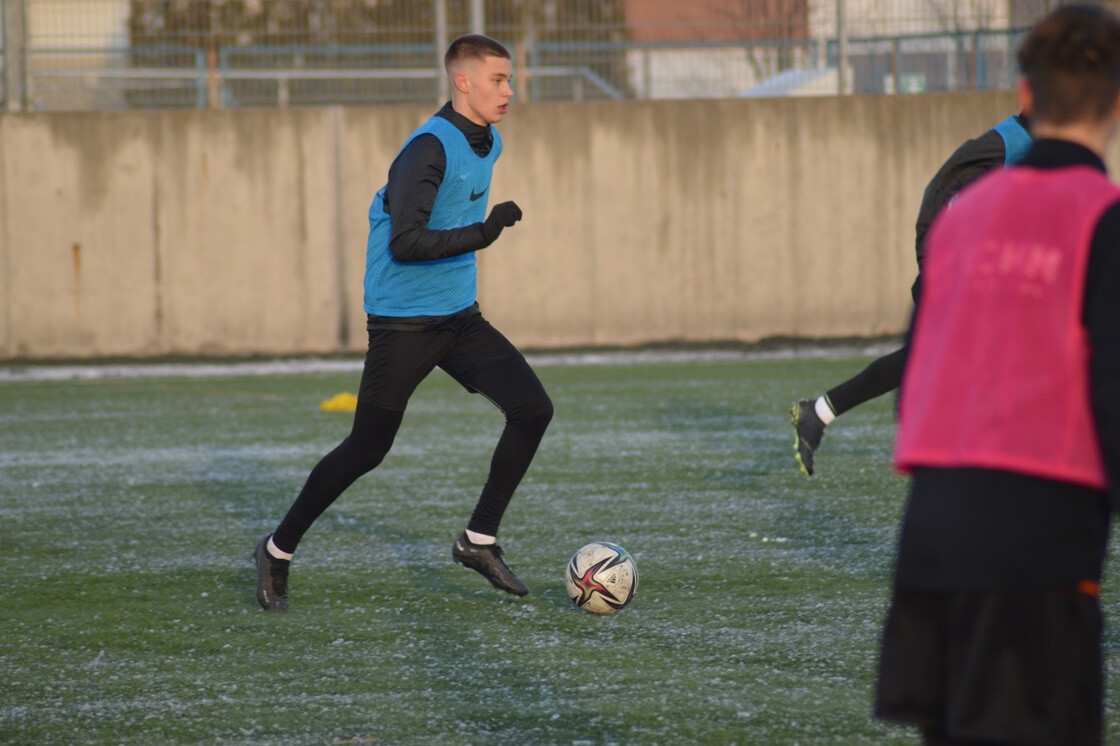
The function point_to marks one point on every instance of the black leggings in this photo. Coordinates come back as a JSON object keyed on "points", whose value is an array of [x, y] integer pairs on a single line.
{"points": [[881, 376], [480, 359]]}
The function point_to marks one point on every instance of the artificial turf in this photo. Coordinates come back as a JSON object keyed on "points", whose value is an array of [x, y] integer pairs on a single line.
{"points": [[130, 505]]}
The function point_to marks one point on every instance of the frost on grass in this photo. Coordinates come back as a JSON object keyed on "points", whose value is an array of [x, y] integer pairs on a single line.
{"points": [[129, 508]]}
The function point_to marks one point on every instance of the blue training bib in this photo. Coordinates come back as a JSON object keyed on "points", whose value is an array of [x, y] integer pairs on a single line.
{"points": [[443, 286]]}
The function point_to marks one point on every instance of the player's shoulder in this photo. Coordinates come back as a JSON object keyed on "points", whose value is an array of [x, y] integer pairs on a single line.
{"points": [[422, 149], [987, 150], [971, 160], [424, 141], [421, 158]]}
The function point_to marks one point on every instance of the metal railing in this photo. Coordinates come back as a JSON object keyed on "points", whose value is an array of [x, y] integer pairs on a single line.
{"points": [[79, 54], [62, 78], [134, 78]]}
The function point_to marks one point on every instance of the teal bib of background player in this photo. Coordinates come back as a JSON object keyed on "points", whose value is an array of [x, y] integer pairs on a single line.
{"points": [[1016, 140], [443, 286]]}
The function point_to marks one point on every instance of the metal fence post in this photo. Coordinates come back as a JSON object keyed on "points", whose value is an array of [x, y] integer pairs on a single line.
{"points": [[15, 53], [201, 87], [443, 92], [478, 17], [841, 49]]}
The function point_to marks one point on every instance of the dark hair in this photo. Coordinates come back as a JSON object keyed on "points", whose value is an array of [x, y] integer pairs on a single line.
{"points": [[1071, 60], [473, 46]]}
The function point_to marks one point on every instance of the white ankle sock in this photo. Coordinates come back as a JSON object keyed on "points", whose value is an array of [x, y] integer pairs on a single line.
{"points": [[476, 538], [824, 409], [275, 552]]}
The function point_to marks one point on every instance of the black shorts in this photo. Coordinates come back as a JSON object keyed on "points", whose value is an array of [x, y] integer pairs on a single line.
{"points": [[467, 347], [1018, 667]]}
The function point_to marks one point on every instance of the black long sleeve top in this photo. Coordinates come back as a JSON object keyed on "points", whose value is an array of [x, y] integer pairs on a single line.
{"points": [[969, 162], [414, 180]]}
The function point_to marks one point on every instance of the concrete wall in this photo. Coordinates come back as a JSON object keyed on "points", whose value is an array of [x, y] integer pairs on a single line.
{"points": [[243, 232]]}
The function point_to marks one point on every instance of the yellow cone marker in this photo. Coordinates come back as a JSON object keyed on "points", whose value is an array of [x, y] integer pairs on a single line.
{"points": [[344, 402]]}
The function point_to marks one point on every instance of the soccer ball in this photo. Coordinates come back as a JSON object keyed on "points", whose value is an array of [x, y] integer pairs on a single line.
{"points": [[601, 578]]}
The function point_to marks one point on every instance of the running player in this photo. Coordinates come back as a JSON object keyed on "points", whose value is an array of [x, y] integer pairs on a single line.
{"points": [[420, 286], [1002, 145]]}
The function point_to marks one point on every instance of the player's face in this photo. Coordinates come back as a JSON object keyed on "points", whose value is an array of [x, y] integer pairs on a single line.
{"points": [[484, 88]]}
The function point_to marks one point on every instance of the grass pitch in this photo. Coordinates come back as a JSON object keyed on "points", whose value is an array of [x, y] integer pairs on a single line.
{"points": [[129, 507]]}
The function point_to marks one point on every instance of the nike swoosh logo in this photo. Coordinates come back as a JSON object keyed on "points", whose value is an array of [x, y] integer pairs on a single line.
{"points": [[475, 196]]}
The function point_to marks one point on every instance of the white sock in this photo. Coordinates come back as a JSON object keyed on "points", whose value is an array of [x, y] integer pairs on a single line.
{"points": [[476, 538], [275, 551], [824, 409]]}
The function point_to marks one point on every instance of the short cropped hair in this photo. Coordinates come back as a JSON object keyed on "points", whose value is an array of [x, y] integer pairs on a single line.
{"points": [[473, 46], [1071, 60]]}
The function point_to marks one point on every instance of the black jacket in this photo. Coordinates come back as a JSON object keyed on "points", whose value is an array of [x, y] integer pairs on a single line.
{"points": [[968, 163]]}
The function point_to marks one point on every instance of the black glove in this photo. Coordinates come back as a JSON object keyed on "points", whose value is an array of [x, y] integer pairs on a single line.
{"points": [[501, 216]]}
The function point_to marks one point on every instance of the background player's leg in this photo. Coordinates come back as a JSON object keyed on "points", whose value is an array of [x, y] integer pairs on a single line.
{"points": [[881, 376], [810, 416]]}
